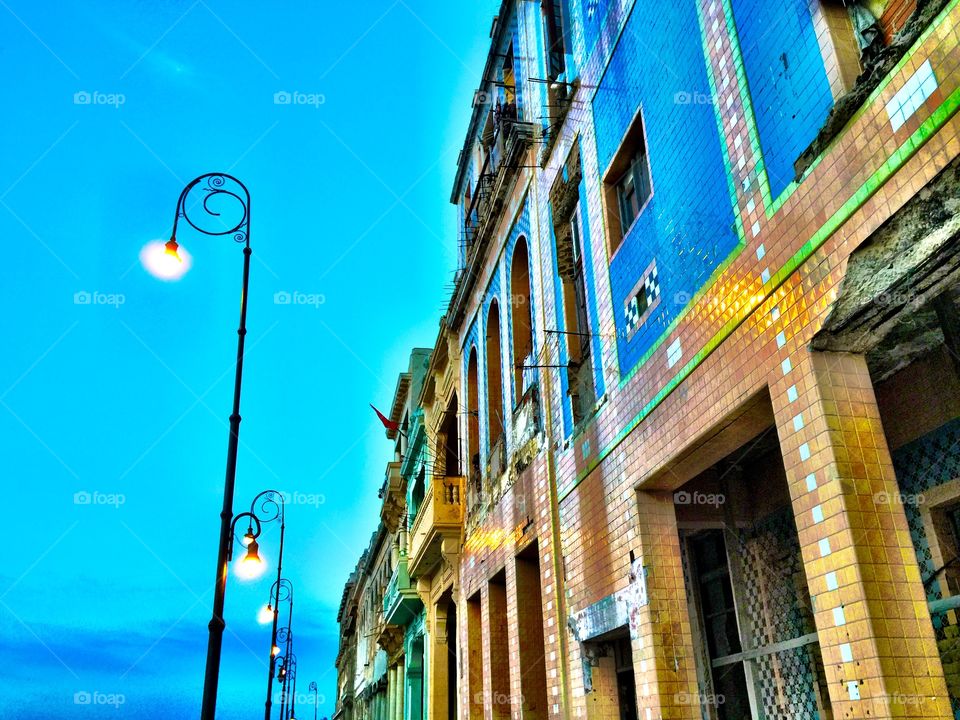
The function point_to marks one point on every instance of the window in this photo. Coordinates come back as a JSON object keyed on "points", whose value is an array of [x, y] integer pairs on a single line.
{"points": [[520, 314], [580, 364], [473, 419], [633, 191], [627, 184], [494, 371]]}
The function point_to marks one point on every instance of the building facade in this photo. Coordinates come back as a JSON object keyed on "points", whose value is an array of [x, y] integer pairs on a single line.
{"points": [[688, 445]]}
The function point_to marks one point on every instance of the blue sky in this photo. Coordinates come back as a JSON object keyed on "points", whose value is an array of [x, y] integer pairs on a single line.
{"points": [[131, 399]]}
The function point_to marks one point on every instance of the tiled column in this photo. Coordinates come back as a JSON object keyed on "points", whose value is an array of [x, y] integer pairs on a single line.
{"points": [[391, 692], [871, 612], [663, 654]]}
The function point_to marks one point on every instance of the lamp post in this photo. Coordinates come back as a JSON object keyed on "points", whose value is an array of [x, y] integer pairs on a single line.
{"points": [[219, 187], [281, 591], [314, 689]]}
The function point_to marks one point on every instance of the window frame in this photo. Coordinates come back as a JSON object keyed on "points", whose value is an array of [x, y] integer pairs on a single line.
{"points": [[631, 161]]}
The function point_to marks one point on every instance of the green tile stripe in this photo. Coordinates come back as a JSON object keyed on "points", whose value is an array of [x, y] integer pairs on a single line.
{"points": [[896, 161]]}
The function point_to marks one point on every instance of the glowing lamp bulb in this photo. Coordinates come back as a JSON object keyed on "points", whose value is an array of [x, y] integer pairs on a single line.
{"points": [[250, 565], [265, 615], [276, 650], [172, 248], [248, 537]]}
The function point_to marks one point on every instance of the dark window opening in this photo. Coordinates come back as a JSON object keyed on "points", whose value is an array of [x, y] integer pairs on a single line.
{"points": [[627, 184]]}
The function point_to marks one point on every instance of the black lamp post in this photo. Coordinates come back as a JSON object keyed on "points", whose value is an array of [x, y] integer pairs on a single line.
{"points": [[282, 591], [218, 187], [314, 689]]}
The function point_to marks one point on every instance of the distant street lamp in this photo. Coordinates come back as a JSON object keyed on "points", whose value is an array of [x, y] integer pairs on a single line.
{"points": [[221, 187], [313, 688], [282, 591]]}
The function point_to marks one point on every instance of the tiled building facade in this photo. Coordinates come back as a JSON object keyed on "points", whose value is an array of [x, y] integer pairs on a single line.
{"points": [[688, 445]]}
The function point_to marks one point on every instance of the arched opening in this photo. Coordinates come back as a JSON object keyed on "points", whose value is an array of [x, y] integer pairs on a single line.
{"points": [[521, 314], [494, 372], [449, 436], [473, 417]]}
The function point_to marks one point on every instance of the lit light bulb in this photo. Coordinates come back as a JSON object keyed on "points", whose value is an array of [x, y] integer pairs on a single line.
{"points": [[165, 260], [251, 565], [248, 537], [265, 615], [276, 650]]}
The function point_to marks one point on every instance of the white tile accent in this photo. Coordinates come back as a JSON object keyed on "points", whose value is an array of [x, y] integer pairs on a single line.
{"points": [[818, 514], [761, 251], [831, 578], [775, 314], [781, 339], [839, 618], [853, 689], [674, 353], [751, 204], [811, 482], [805, 452], [846, 652], [765, 276], [755, 228], [792, 393], [786, 366], [798, 422], [911, 96], [824, 546]]}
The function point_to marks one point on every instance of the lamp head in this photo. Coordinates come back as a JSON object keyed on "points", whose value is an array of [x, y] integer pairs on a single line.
{"points": [[172, 248], [248, 537], [251, 565], [266, 614]]}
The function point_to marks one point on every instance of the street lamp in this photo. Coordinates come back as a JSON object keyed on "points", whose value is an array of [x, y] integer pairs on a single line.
{"points": [[281, 591], [314, 689], [218, 187]]}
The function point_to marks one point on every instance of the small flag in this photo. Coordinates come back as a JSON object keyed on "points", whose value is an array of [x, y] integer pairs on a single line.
{"points": [[387, 422]]}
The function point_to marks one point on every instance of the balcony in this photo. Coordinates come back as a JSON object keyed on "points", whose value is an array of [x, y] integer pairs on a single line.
{"points": [[400, 600], [437, 526], [506, 151], [394, 496]]}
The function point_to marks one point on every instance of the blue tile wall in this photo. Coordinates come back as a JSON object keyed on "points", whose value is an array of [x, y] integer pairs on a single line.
{"points": [[592, 14], [788, 83], [688, 225]]}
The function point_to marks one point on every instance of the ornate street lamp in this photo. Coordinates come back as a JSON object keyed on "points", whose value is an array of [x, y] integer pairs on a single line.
{"points": [[282, 591], [217, 187], [314, 689]]}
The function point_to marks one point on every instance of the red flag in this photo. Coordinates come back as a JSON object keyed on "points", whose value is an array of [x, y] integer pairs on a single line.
{"points": [[387, 422]]}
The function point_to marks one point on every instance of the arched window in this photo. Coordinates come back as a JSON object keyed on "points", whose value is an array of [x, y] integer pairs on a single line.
{"points": [[494, 374], [450, 437], [521, 314], [473, 417]]}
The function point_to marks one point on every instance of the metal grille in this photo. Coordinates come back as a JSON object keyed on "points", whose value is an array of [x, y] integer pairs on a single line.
{"points": [[787, 682]]}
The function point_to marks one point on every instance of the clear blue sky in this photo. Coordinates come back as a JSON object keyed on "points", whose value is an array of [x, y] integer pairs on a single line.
{"points": [[350, 201]]}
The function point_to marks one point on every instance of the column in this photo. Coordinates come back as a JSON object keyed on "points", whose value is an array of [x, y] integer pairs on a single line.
{"points": [[663, 657], [871, 612]]}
